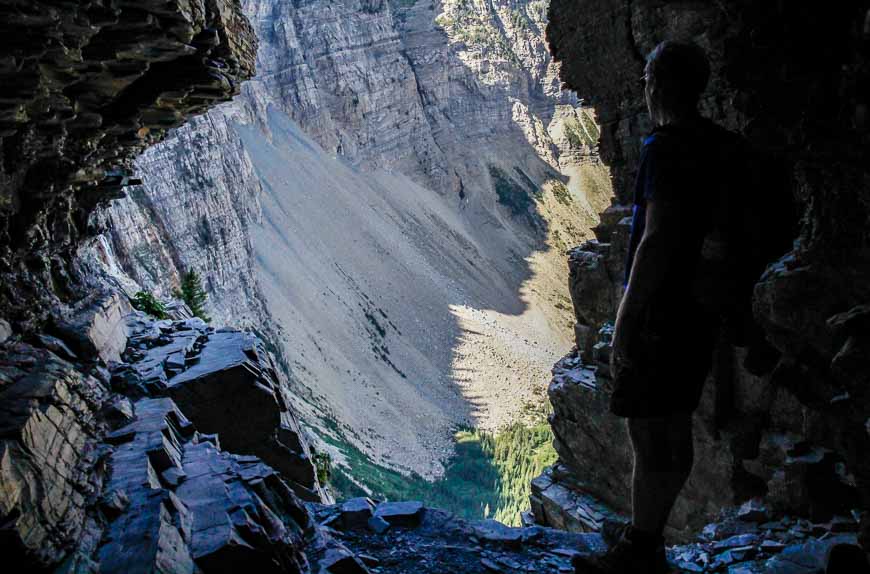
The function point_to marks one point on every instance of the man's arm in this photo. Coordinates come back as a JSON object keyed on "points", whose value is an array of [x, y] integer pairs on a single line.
{"points": [[660, 238]]}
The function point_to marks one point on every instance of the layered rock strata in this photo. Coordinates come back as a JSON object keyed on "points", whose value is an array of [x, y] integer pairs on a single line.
{"points": [[227, 384], [176, 502], [396, 183], [53, 462], [104, 471], [795, 430], [88, 86]]}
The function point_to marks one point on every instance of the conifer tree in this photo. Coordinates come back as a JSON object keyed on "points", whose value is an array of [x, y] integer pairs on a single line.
{"points": [[193, 293]]}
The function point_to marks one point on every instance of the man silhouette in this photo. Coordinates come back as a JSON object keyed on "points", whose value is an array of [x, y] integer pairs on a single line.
{"points": [[664, 333]]}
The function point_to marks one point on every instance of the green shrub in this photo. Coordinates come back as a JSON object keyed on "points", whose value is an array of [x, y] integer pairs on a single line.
{"points": [[193, 293], [510, 194], [323, 464], [489, 476], [574, 133], [561, 193], [146, 302]]}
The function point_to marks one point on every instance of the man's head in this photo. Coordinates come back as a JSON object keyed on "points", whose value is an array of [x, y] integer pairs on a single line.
{"points": [[676, 73]]}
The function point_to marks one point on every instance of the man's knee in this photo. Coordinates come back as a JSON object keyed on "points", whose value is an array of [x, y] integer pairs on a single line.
{"points": [[662, 444]]}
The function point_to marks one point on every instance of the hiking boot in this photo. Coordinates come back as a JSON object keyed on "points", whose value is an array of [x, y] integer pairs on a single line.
{"points": [[623, 555]]}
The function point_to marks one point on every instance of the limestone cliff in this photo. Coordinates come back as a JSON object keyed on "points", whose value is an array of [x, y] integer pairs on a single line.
{"points": [[86, 89], [388, 201], [102, 471], [795, 431]]}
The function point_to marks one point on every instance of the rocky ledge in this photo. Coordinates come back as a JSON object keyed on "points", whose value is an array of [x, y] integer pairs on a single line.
{"points": [[118, 465], [409, 538], [226, 383]]}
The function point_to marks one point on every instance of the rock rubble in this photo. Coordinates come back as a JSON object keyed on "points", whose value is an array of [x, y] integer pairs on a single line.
{"points": [[429, 540], [104, 471], [226, 383]]}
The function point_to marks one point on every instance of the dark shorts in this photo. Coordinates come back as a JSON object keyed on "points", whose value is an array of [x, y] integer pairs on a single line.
{"points": [[667, 373]]}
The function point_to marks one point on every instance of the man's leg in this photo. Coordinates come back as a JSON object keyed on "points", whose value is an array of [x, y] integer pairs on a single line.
{"points": [[662, 461], [663, 457]]}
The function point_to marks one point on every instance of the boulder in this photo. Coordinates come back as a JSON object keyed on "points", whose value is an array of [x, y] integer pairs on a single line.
{"points": [[229, 512], [227, 383], [99, 328], [378, 524], [341, 561], [407, 513], [557, 500], [497, 533], [231, 387], [49, 445], [356, 512]]}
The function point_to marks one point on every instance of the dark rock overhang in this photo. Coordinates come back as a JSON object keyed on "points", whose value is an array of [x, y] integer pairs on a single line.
{"points": [[86, 87]]}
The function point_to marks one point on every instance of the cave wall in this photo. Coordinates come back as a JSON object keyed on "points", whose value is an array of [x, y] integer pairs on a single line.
{"points": [[87, 87], [793, 79], [102, 471]]}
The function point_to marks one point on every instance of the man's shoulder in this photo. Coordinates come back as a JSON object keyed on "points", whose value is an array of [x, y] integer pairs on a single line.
{"points": [[703, 131]]}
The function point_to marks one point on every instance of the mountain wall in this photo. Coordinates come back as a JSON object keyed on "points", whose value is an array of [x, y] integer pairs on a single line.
{"points": [[101, 469], [784, 418], [388, 202], [86, 90]]}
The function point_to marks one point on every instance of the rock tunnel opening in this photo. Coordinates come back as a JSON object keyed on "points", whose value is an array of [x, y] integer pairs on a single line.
{"points": [[380, 214]]}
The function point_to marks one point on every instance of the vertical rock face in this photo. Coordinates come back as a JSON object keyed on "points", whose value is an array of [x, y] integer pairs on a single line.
{"points": [[793, 431], [395, 186], [100, 471], [88, 87], [51, 458]]}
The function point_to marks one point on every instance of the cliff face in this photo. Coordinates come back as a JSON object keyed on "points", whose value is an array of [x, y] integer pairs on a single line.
{"points": [[88, 88], [102, 470], [796, 431], [388, 201]]}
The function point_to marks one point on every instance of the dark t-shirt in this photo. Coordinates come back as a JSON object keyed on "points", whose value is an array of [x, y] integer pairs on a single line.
{"points": [[689, 167]]}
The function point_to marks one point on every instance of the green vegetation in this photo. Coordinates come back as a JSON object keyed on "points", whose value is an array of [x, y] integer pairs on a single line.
{"points": [[323, 465], [479, 29], [581, 130], [193, 293], [145, 301], [538, 9], [510, 193], [561, 193], [519, 20], [589, 125], [489, 476], [596, 185], [575, 133]]}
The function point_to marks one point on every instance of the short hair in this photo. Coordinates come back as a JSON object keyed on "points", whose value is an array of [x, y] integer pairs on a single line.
{"points": [[679, 71]]}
